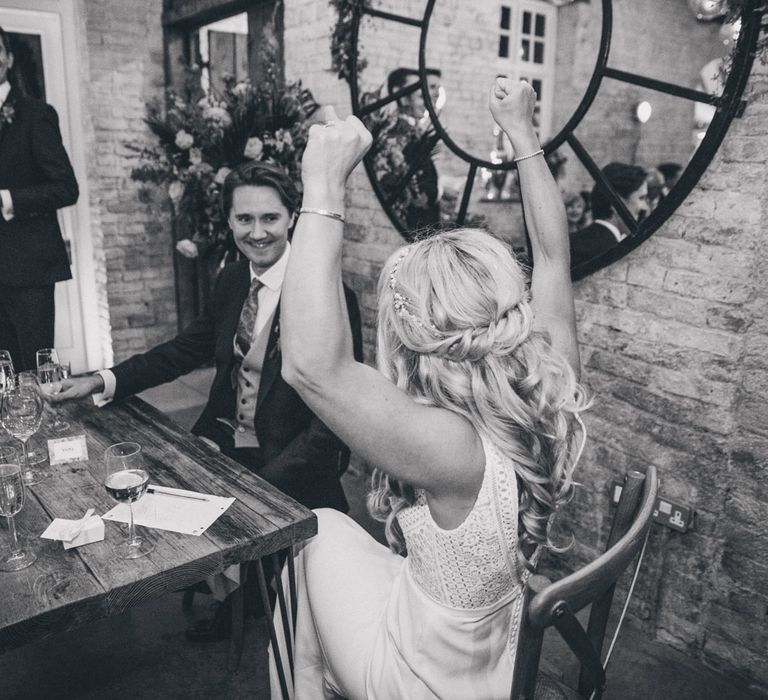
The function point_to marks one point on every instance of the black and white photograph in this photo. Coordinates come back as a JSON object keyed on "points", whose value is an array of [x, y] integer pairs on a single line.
{"points": [[383, 349]]}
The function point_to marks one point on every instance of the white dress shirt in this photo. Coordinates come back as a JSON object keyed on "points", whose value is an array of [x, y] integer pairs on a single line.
{"points": [[268, 295], [6, 203], [618, 235]]}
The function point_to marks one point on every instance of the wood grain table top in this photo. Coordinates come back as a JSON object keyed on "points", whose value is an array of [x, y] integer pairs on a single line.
{"points": [[65, 589]]}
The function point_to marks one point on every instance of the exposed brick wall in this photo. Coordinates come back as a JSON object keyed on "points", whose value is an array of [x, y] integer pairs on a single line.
{"points": [[122, 67], [674, 346]]}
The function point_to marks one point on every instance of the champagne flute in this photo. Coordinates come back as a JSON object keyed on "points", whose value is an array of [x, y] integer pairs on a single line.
{"points": [[126, 481], [21, 413], [11, 502], [7, 375], [49, 373]]}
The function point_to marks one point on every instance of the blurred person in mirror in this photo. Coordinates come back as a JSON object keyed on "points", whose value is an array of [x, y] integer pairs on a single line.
{"points": [[471, 423], [607, 228], [252, 415], [36, 179], [575, 210], [671, 173], [423, 188]]}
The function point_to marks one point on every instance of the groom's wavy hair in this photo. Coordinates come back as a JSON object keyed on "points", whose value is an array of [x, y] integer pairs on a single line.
{"points": [[261, 174], [455, 330]]}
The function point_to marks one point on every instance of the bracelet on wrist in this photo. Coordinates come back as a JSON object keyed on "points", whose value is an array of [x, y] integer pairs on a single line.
{"points": [[323, 212], [540, 152]]}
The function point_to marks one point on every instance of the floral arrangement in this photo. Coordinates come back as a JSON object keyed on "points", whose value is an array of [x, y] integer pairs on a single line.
{"points": [[341, 39], [201, 139]]}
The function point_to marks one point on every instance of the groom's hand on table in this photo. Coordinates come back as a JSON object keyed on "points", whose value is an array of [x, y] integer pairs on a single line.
{"points": [[76, 388]]}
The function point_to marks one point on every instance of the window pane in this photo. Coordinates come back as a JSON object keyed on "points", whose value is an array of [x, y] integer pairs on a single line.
{"points": [[505, 17], [526, 22], [503, 46], [540, 19], [525, 50], [538, 52], [536, 85]]}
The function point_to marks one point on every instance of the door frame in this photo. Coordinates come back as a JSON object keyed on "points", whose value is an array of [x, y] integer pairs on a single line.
{"points": [[94, 341]]}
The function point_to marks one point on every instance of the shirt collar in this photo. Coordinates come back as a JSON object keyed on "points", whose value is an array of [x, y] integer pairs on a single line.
{"points": [[5, 89], [273, 277], [618, 235]]}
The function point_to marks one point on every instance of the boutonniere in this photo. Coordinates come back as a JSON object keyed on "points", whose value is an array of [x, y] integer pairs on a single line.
{"points": [[7, 113]]}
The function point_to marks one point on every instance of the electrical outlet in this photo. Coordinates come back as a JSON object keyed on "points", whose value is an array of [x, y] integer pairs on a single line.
{"points": [[674, 515]]}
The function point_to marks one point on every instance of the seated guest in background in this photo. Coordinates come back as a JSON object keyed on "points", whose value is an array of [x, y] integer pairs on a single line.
{"points": [[471, 424], [252, 415], [36, 179], [671, 173], [575, 210], [657, 190], [607, 228]]}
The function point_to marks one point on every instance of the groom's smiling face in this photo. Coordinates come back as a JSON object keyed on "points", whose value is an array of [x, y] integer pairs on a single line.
{"points": [[6, 61], [260, 223]]}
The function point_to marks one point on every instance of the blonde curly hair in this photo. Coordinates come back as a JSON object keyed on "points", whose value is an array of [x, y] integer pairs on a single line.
{"points": [[455, 330]]}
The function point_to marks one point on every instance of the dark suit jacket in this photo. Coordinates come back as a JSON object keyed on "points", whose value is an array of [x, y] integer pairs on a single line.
{"points": [[590, 242], [297, 453], [35, 168]]}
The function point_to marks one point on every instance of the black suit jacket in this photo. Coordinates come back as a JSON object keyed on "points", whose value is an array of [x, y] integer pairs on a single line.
{"points": [[36, 170], [297, 453], [589, 242]]}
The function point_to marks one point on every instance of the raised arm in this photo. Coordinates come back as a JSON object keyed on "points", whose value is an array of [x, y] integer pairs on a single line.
{"points": [[425, 446], [512, 104]]}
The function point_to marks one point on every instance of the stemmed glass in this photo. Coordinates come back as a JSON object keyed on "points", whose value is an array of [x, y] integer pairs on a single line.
{"points": [[49, 372], [7, 375], [11, 502], [20, 414], [126, 481]]}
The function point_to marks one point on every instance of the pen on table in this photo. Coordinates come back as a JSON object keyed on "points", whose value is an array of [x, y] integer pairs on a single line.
{"points": [[177, 495]]}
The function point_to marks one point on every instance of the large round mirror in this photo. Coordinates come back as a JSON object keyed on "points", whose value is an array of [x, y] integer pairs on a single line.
{"points": [[633, 100]]}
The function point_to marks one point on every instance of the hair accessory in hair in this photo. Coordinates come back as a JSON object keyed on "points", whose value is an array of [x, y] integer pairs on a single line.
{"points": [[401, 301]]}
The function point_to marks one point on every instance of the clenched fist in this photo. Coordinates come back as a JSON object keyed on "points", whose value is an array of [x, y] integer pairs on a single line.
{"points": [[512, 104], [333, 150]]}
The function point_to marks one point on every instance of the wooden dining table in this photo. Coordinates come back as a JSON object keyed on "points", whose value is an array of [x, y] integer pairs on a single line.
{"points": [[63, 590]]}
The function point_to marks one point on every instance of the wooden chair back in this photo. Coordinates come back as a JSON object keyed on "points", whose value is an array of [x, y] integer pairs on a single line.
{"points": [[549, 604]]}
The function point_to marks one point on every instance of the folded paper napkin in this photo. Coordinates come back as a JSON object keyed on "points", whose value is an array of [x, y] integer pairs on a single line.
{"points": [[63, 529]]}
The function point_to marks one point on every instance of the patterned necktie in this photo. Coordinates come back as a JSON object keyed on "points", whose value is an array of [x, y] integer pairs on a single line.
{"points": [[247, 323]]}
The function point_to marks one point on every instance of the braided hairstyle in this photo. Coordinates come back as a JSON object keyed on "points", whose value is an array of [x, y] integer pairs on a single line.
{"points": [[455, 330]]}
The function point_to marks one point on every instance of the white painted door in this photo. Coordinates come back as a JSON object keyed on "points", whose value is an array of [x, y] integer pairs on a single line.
{"points": [[52, 23]]}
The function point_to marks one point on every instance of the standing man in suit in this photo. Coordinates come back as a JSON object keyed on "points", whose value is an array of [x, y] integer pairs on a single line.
{"points": [[36, 179], [252, 414], [607, 228]]}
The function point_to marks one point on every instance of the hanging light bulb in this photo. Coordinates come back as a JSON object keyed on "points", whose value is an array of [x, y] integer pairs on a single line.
{"points": [[643, 111], [706, 10]]}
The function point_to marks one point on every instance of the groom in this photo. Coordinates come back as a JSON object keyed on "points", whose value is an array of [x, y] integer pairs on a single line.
{"points": [[36, 179], [252, 415]]}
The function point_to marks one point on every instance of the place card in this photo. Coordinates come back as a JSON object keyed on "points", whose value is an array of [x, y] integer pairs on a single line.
{"points": [[177, 510], [67, 449]]}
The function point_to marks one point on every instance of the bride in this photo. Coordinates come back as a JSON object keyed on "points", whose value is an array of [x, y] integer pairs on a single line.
{"points": [[470, 422]]}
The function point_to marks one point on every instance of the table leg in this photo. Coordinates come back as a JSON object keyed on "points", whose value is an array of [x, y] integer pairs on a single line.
{"points": [[284, 615], [238, 623]]}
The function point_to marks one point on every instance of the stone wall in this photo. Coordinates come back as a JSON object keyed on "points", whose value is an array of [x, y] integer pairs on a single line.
{"points": [[122, 67], [674, 346]]}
